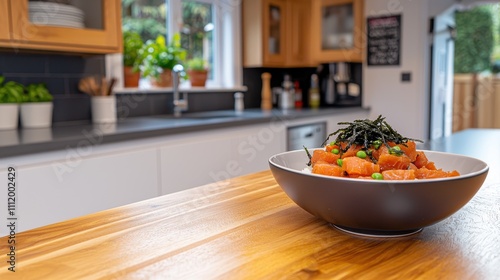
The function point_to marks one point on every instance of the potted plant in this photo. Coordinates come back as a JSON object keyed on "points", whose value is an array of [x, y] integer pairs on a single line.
{"points": [[197, 70], [158, 59], [36, 107], [10, 97], [132, 43]]}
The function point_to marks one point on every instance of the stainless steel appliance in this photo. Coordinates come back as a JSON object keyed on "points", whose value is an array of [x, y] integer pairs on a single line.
{"points": [[308, 135]]}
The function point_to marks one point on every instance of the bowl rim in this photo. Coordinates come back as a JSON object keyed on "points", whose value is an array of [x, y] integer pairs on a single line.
{"points": [[367, 181]]}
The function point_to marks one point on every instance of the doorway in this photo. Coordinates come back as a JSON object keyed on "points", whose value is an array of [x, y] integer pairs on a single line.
{"points": [[442, 59], [464, 93]]}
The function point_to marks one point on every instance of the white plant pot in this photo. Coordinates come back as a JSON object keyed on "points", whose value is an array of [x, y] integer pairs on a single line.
{"points": [[9, 116], [36, 114], [103, 109]]}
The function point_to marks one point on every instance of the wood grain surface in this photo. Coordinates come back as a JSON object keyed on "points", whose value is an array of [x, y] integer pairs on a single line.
{"points": [[247, 228]]}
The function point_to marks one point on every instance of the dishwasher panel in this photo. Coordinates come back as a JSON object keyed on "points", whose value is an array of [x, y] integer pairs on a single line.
{"points": [[308, 135]]}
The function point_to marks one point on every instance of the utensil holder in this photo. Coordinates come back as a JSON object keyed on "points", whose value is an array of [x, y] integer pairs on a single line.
{"points": [[103, 109]]}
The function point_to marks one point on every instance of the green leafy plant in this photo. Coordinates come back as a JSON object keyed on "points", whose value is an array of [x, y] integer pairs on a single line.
{"points": [[197, 63], [474, 41], [132, 44], [156, 55], [10, 92], [36, 93]]}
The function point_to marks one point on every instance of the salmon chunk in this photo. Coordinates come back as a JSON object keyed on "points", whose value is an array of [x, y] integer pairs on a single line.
{"points": [[355, 166]]}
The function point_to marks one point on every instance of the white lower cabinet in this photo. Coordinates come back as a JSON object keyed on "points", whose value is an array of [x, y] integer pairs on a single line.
{"points": [[194, 160], [218, 155], [59, 190], [253, 149]]}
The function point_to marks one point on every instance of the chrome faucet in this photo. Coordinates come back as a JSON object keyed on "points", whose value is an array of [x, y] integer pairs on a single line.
{"points": [[180, 105]]}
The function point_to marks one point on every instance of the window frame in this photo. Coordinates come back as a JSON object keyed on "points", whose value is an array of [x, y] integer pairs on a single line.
{"points": [[228, 67]]}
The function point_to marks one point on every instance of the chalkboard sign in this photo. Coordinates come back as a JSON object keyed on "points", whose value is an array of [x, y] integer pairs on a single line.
{"points": [[384, 40]]}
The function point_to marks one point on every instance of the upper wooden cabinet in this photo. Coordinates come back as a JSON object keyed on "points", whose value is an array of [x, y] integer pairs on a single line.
{"points": [[276, 33], [4, 22], [298, 44], [22, 30], [337, 30]]}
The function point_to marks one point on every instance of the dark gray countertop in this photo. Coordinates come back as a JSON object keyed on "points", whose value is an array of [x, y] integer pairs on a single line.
{"points": [[479, 143], [469, 142], [28, 141], [472, 142]]}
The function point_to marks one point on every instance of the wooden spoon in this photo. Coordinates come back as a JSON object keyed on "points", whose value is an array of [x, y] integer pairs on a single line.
{"points": [[84, 86], [103, 87], [111, 85]]}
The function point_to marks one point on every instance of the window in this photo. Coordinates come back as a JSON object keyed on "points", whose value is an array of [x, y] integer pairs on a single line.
{"points": [[197, 32], [209, 29]]}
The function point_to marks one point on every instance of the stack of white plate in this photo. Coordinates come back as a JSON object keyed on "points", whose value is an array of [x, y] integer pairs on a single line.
{"points": [[48, 13]]}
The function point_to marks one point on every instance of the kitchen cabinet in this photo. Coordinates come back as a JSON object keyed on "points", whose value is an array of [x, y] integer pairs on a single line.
{"points": [[257, 144], [276, 33], [273, 32], [338, 30], [4, 22], [194, 160], [64, 184], [202, 158], [101, 33], [298, 34]]}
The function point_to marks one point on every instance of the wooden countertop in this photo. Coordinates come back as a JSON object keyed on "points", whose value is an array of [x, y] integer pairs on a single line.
{"points": [[247, 228]]}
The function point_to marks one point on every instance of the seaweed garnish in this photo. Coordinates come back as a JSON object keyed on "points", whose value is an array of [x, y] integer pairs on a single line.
{"points": [[366, 132], [308, 155]]}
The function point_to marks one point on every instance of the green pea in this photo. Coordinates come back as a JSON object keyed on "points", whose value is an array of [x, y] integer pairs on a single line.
{"points": [[377, 176], [361, 154], [335, 151], [340, 162], [396, 150], [332, 143], [376, 144]]}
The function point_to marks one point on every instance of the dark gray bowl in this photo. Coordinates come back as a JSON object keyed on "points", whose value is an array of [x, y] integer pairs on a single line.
{"points": [[372, 207]]}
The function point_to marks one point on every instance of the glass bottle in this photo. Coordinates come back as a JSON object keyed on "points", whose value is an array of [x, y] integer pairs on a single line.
{"points": [[314, 92], [298, 95]]}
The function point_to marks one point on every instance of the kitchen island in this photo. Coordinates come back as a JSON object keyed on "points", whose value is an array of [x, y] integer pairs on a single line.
{"points": [[247, 228]]}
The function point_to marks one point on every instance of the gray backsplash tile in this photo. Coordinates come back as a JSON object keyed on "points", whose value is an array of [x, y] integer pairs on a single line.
{"points": [[71, 108], [61, 74], [23, 64], [160, 104], [65, 65], [56, 85]]}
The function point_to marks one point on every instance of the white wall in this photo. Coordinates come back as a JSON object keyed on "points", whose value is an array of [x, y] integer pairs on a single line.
{"points": [[404, 104]]}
